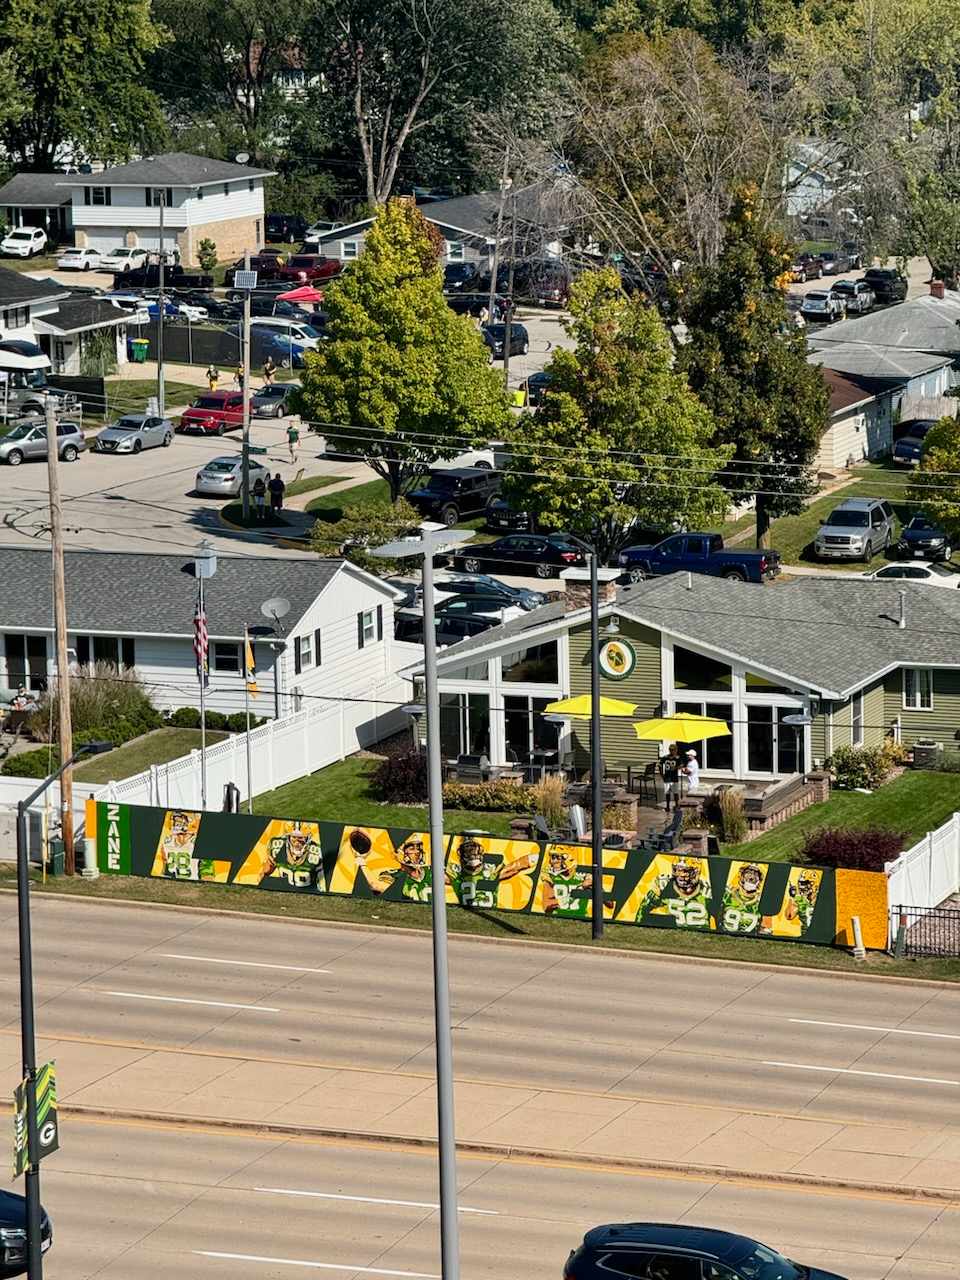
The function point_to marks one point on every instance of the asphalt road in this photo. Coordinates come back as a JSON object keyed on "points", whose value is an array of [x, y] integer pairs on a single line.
{"points": [[131, 1201]]}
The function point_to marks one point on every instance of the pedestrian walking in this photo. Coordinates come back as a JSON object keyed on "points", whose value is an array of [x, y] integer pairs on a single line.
{"points": [[269, 369], [670, 772], [293, 440], [277, 489], [260, 497], [213, 376], [484, 316]]}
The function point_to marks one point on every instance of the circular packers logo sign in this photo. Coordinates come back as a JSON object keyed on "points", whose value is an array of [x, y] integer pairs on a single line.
{"points": [[617, 659]]}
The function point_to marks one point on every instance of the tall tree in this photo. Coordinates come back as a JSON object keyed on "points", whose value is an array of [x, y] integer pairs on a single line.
{"points": [[80, 72], [620, 439], [403, 381], [748, 363], [934, 485]]}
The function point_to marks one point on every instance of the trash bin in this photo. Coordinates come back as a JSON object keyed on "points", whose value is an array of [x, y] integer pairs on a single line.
{"points": [[54, 857], [139, 350]]}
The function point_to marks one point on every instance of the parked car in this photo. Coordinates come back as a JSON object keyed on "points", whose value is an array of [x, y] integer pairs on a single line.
{"points": [[821, 306], [474, 301], [493, 336], [27, 440], [887, 284], [265, 265], [272, 401], [458, 276], [450, 495], [79, 260], [285, 351], [855, 530], [288, 228], [834, 261], [321, 227], [922, 539], [908, 449], [536, 387], [213, 413], [215, 307], [13, 1234], [24, 242], [223, 477], [856, 296], [134, 432], [304, 267], [930, 572], [855, 252], [122, 259], [528, 554], [662, 1251], [702, 553], [806, 266], [266, 304], [545, 282], [26, 391], [147, 276], [501, 515], [465, 584], [449, 628]]}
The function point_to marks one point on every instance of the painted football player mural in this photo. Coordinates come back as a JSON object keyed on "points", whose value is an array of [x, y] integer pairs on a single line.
{"points": [[413, 872], [680, 893], [174, 859], [566, 889], [740, 912], [294, 856], [475, 878]]}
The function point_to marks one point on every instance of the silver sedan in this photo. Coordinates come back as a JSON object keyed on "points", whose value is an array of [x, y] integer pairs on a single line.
{"points": [[133, 432], [222, 477]]}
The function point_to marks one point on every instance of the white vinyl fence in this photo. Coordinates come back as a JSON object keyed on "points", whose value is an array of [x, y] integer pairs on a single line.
{"points": [[929, 872]]}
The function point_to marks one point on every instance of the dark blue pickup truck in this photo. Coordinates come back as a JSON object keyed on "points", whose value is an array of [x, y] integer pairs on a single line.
{"points": [[700, 553]]}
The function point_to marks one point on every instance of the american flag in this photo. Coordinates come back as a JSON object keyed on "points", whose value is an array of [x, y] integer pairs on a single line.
{"points": [[201, 641]]}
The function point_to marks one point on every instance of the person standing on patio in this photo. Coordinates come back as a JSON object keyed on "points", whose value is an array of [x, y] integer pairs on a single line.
{"points": [[691, 771], [670, 772]]}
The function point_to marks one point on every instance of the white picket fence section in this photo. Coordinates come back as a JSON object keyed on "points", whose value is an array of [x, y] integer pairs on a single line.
{"points": [[929, 872]]}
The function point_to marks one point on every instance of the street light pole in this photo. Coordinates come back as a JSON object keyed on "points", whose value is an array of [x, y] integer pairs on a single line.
{"points": [[596, 761], [161, 389]]}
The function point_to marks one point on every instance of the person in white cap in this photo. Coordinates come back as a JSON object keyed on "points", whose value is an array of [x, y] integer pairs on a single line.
{"points": [[691, 771]]}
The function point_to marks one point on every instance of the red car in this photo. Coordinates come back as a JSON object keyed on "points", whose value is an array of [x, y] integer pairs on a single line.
{"points": [[213, 413], [303, 267]]}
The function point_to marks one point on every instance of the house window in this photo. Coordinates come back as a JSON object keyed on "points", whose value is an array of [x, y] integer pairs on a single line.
{"points": [[97, 195], [529, 738], [713, 753], [118, 651], [350, 248], [250, 184], [454, 251], [464, 724], [26, 658], [157, 196], [199, 193], [16, 317], [694, 671], [304, 657], [536, 664], [226, 657], [917, 689], [369, 626], [856, 731]]}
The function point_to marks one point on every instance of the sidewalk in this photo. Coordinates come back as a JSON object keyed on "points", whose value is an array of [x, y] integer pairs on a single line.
{"points": [[195, 1085]]}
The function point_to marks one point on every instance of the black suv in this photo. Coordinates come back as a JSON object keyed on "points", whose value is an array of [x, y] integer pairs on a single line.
{"points": [[662, 1251], [888, 285], [286, 228], [451, 495], [13, 1234]]}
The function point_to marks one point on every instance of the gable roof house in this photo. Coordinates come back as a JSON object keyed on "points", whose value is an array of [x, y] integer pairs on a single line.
{"points": [[137, 610], [38, 200], [197, 198], [861, 421], [56, 320], [832, 648]]}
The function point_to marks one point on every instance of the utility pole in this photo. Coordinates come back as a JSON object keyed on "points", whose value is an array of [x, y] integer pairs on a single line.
{"points": [[596, 752], [508, 316], [60, 635], [495, 266], [161, 391], [245, 475]]}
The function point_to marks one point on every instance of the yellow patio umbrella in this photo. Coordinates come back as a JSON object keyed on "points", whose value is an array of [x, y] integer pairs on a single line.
{"points": [[681, 727], [581, 707]]}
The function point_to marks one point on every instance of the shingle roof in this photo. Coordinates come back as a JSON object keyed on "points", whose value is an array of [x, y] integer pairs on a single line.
{"points": [[846, 389], [868, 360], [130, 593], [173, 169], [831, 634], [35, 190], [924, 324], [16, 288], [78, 314]]}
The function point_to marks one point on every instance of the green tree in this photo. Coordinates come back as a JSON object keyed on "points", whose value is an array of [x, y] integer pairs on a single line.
{"points": [[403, 380], [300, 193], [935, 485], [80, 72], [620, 438], [748, 363], [360, 527], [207, 254]]}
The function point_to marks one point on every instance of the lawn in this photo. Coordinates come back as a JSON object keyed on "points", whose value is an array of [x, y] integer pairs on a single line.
{"points": [[792, 536], [341, 793], [233, 514], [308, 483], [915, 803], [158, 747], [130, 395], [330, 507]]}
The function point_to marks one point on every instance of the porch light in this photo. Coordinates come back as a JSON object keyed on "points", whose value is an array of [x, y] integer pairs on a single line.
{"points": [[613, 625]]}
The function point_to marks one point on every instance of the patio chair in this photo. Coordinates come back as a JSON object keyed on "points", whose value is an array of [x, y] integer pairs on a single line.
{"points": [[648, 782], [665, 839]]}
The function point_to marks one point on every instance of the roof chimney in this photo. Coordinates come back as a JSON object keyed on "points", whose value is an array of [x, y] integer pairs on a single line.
{"points": [[577, 584], [937, 288], [902, 620]]}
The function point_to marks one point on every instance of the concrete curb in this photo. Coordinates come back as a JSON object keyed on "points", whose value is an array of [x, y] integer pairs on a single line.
{"points": [[751, 966], [500, 1151]]}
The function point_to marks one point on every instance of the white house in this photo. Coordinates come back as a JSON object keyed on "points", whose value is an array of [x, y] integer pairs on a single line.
{"points": [[37, 200], [55, 320], [198, 198], [335, 640]]}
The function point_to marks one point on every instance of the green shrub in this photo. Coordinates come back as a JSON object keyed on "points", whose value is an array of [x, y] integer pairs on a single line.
{"points": [[216, 720], [105, 702], [866, 767], [549, 795], [32, 764], [895, 753], [489, 797], [237, 723], [207, 255], [184, 718]]}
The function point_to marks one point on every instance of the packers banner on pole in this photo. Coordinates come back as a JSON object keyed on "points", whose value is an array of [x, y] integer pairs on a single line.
{"points": [[48, 1131], [662, 890]]}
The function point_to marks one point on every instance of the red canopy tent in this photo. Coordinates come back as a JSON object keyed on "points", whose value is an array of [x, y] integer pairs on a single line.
{"points": [[303, 293]]}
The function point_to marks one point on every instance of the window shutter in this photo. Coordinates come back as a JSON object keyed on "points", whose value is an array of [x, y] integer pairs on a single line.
{"points": [[169, 197], [128, 651], [86, 195], [316, 647], [379, 621], [297, 664], [83, 651], [149, 200], [108, 195], [360, 630]]}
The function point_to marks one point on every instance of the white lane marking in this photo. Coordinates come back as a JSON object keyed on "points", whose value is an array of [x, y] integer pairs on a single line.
{"points": [[320, 1266], [852, 1071], [248, 964], [215, 1004], [889, 1031], [408, 1204]]}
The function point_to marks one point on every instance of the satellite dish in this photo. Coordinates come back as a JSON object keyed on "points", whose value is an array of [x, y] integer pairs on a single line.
{"points": [[276, 607], [242, 157]]}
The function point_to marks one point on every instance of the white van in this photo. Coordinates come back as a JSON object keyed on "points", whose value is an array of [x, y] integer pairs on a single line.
{"points": [[296, 330], [23, 381]]}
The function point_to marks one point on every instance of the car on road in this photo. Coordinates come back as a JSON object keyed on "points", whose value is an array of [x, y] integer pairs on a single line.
{"points": [[545, 282], [922, 539], [273, 401], [835, 261], [455, 492], [701, 553], [887, 284], [265, 265], [855, 252], [304, 267], [821, 306], [13, 1234], [930, 572], [134, 432], [806, 266], [908, 449], [536, 387], [26, 389], [213, 413], [668, 1251], [285, 228], [856, 529], [24, 242], [79, 260], [27, 441], [223, 477], [465, 584], [122, 259], [528, 554], [856, 296], [457, 276], [494, 335]]}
